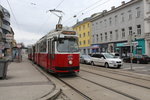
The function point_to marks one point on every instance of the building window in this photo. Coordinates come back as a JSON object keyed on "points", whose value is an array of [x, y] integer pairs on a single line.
{"points": [[101, 36], [97, 37], [88, 41], [116, 34], [130, 14], [93, 39], [101, 24], [79, 28], [138, 12], [83, 26], [138, 30], [116, 18], [110, 21], [122, 17], [130, 30], [106, 36], [88, 33], [88, 25], [111, 35], [123, 33], [83, 34], [84, 42]]}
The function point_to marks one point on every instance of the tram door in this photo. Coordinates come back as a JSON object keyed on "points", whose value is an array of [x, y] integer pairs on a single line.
{"points": [[50, 54]]}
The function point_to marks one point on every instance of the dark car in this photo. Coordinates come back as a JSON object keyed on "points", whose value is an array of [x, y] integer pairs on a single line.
{"points": [[138, 59], [86, 59]]}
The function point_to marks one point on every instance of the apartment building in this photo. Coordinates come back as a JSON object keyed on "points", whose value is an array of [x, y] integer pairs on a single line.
{"points": [[1, 17], [112, 29], [83, 29], [6, 33]]}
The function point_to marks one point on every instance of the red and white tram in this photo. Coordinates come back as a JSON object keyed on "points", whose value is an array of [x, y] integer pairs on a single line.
{"points": [[57, 51]]}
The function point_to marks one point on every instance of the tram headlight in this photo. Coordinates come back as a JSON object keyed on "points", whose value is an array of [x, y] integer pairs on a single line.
{"points": [[70, 62]]}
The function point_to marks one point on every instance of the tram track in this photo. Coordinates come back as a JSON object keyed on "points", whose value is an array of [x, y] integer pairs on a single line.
{"points": [[122, 73], [118, 86], [111, 89], [98, 84], [117, 79], [79, 92]]}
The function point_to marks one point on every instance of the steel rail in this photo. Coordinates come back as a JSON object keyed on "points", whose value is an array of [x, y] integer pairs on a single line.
{"points": [[119, 92], [117, 79], [113, 72], [79, 92]]}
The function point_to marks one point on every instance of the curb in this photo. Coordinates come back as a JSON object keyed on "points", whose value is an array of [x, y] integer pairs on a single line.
{"points": [[53, 95]]}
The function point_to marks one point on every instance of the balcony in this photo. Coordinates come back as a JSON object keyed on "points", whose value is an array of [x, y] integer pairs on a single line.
{"points": [[6, 18], [6, 27], [1, 11]]}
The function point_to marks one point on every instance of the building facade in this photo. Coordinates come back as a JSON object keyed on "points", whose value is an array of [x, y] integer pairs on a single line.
{"points": [[6, 33], [1, 17], [83, 30], [111, 30]]}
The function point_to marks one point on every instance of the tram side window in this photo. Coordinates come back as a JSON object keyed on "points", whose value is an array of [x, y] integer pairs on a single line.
{"points": [[43, 46]]}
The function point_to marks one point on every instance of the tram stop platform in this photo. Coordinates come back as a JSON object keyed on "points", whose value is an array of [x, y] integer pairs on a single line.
{"points": [[25, 82]]}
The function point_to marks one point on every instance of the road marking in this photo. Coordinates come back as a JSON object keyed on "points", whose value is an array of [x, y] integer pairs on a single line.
{"points": [[145, 70], [134, 67]]}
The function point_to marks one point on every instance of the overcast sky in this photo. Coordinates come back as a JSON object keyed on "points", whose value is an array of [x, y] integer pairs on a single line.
{"points": [[33, 21]]}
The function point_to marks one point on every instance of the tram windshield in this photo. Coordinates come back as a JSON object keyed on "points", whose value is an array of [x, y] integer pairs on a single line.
{"points": [[67, 45]]}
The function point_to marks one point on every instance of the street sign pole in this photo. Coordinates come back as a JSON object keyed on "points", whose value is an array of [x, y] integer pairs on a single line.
{"points": [[131, 50], [131, 55]]}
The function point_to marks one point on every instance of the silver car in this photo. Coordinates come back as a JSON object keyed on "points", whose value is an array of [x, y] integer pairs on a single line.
{"points": [[106, 59], [86, 59]]}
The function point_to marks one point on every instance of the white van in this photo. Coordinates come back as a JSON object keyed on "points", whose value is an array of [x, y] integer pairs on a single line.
{"points": [[106, 59]]}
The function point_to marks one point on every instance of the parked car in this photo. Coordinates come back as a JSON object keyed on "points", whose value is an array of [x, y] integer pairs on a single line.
{"points": [[106, 59], [86, 59], [116, 55], [138, 59]]}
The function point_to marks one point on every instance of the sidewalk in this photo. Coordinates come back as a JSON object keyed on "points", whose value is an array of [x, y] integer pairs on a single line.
{"points": [[25, 82]]}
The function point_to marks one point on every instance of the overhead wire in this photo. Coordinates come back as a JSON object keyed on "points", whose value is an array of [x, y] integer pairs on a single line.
{"points": [[59, 4], [89, 10], [51, 14], [13, 14], [84, 9]]}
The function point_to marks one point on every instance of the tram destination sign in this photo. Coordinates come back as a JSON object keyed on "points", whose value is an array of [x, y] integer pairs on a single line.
{"points": [[69, 32]]}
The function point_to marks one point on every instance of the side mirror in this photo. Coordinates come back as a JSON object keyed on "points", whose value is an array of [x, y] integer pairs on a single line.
{"points": [[102, 58]]}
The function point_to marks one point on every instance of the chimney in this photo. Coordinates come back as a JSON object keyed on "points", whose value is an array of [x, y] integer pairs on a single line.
{"points": [[113, 7], [123, 2], [104, 11]]}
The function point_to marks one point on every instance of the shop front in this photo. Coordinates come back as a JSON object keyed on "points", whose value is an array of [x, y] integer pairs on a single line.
{"points": [[95, 48], [140, 48], [124, 48]]}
